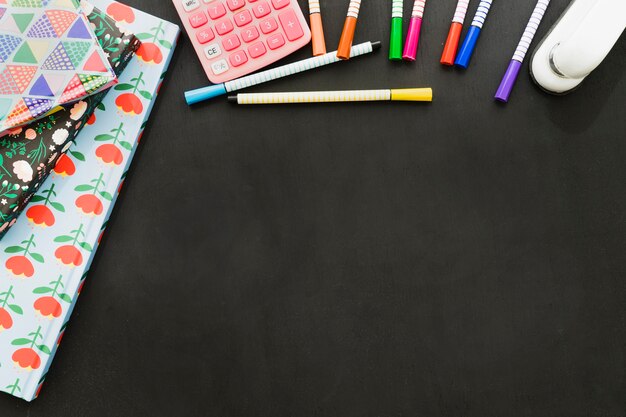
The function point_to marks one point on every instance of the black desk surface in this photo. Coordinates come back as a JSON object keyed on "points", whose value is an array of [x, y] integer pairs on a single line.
{"points": [[461, 258]]}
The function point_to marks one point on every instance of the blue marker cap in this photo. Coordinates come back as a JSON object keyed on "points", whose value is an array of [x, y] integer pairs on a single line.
{"points": [[467, 48], [205, 93]]}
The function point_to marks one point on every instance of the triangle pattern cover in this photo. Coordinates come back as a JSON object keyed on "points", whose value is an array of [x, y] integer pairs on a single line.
{"points": [[53, 37]]}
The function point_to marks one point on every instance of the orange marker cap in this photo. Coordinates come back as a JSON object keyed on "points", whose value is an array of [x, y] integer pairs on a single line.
{"points": [[347, 36], [317, 34], [452, 44]]}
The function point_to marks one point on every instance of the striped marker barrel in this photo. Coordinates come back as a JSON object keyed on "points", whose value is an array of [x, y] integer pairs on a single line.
{"points": [[407, 94], [454, 34], [469, 43], [510, 76], [412, 38], [349, 27], [395, 40]]}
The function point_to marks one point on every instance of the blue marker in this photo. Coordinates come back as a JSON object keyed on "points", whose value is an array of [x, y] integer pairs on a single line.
{"points": [[206, 93], [469, 43]]}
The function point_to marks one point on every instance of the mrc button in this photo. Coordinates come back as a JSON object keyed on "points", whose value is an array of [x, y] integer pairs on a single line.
{"points": [[190, 5], [212, 51]]}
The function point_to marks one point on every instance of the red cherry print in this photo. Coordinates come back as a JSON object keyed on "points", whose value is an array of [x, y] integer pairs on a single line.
{"points": [[65, 166], [110, 154], [20, 266], [121, 12], [48, 307], [149, 52], [26, 358], [6, 322], [129, 103], [69, 255], [40, 215], [92, 119], [89, 204]]}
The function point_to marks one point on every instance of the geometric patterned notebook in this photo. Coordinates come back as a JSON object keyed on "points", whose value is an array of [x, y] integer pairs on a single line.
{"points": [[49, 55]]}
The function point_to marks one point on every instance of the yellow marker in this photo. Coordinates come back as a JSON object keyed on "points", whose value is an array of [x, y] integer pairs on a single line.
{"points": [[406, 94]]}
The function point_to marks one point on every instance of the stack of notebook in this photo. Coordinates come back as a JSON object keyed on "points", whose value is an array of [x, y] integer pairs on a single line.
{"points": [[77, 83]]}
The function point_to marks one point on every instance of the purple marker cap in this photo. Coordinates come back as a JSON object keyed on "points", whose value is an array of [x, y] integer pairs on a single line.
{"points": [[508, 81]]}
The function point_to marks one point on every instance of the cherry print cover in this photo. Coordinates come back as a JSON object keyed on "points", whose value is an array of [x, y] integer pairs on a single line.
{"points": [[49, 56], [29, 153], [42, 268]]}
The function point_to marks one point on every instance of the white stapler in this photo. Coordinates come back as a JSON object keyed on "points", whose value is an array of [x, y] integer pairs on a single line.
{"points": [[577, 43]]}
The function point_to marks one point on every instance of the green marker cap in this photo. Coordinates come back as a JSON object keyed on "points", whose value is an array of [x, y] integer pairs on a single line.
{"points": [[395, 41]]}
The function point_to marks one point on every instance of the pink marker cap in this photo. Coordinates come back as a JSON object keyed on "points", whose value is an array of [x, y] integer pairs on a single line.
{"points": [[412, 39]]}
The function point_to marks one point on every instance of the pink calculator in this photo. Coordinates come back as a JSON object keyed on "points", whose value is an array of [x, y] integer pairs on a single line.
{"points": [[236, 37]]}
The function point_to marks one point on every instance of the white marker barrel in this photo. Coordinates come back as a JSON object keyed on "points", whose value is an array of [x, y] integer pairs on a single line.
{"points": [[461, 11], [481, 13], [531, 29]]}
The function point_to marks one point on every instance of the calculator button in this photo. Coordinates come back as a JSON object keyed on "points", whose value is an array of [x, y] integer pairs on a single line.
{"points": [[216, 10], [190, 5], [224, 26], [257, 50], [243, 18], [219, 67], [212, 51], [235, 4], [249, 34], [238, 58], [205, 35], [275, 41], [231, 42], [290, 24], [198, 19], [269, 25], [279, 4], [261, 9]]}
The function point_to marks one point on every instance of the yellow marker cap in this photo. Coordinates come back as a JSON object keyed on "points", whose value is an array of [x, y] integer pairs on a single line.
{"points": [[412, 94]]}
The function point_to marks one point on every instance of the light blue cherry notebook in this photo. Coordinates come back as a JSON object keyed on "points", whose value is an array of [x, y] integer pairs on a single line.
{"points": [[42, 268]]}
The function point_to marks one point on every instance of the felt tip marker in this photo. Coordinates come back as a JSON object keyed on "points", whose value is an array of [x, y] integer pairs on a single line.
{"points": [[510, 76], [405, 94], [454, 34], [395, 39], [413, 36], [212, 91], [471, 38], [317, 29], [349, 27]]}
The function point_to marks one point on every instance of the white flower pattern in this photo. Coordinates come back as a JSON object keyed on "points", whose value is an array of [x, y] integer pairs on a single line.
{"points": [[60, 136], [23, 170]]}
